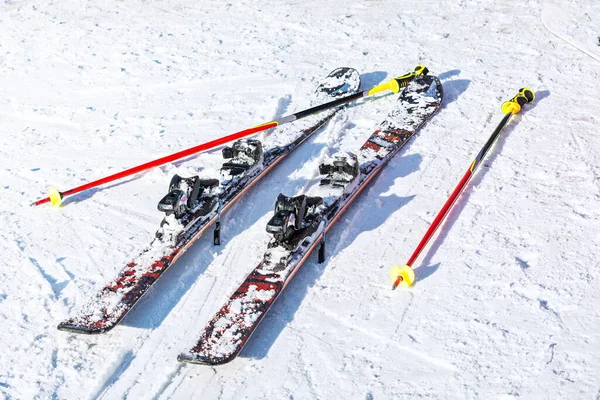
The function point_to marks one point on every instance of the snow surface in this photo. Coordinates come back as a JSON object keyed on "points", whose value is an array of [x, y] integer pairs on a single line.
{"points": [[505, 305]]}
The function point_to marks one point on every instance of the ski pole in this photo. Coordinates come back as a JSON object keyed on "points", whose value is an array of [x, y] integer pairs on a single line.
{"points": [[395, 84], [405, 275]]}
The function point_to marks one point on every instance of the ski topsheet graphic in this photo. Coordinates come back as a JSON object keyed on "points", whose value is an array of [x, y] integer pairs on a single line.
{"points": [[576, 32], [194, 204], [299, 223]]}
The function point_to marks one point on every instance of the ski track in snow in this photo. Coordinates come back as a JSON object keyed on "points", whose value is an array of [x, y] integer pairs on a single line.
{"points": [[505, 301]]}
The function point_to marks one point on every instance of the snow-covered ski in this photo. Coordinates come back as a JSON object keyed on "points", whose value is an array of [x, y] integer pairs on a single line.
{"points": [[194, 204], [300, 223]]}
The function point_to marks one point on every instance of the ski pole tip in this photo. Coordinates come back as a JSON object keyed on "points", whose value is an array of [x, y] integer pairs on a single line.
{"points": [[55, 196], [402, 276]]}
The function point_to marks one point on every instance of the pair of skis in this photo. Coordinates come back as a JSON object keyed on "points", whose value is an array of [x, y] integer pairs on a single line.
{"points": [[299, 224], [193, 204]]}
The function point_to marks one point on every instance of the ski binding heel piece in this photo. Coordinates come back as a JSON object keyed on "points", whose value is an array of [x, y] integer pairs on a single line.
{"points": [[290, 214], [243, 155], [184, 194], [340, 170]]}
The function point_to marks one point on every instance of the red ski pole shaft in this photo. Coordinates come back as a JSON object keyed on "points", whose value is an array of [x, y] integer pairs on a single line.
{"points": [[157, 162], [510, 108], [395, 84]]}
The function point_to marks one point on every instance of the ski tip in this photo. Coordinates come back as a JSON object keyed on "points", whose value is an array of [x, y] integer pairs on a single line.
{"points": [[55, 196], [402, 276]]}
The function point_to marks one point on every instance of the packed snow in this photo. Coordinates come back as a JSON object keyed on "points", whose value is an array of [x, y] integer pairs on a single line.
{"points": [[505, 302]]}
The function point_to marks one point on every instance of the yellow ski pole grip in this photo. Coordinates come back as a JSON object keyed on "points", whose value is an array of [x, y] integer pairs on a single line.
{"points": [[402, 81], [395, 84], [513, 105]]}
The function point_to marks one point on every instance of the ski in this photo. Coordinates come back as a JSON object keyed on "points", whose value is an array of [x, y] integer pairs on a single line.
{"points": [[193, 204], [300, 223]]}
